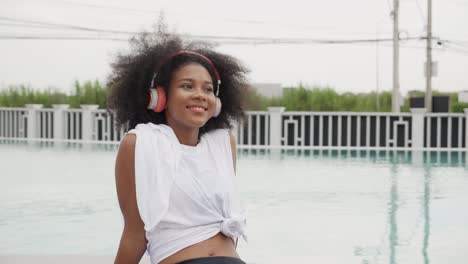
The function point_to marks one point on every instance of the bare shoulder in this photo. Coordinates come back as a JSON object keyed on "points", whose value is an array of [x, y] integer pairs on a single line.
{"points": [[133, 241], [127, 144], [125, 170], [125, 180], [125, 161]]}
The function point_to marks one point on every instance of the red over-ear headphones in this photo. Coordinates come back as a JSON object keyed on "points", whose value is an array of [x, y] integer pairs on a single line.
{"points": [[157, 96]]}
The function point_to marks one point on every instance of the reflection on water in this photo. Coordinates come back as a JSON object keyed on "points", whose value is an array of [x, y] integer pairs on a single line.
{"points": [[393, 207], [417, 158], [426, 201], [56, 146], [304, 206], [393, 210], [400, 249]]}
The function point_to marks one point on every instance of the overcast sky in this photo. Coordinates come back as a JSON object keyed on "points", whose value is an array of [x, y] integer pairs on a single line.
{"points": [[345, 67]]}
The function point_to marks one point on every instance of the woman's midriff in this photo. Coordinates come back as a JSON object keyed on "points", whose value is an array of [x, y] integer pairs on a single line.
{"points": [[218, 245]]}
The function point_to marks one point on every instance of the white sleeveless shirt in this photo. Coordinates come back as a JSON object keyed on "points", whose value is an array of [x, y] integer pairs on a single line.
{"points": [[185, 194]]}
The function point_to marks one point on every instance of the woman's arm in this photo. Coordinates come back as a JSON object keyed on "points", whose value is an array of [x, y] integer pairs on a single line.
{"points": [[133, 241], [233, 149]]}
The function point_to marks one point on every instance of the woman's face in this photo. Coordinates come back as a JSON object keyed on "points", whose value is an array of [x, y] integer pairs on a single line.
{"points": [[191, 100]]}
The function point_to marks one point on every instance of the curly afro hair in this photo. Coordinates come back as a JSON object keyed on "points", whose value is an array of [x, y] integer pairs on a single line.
{"points": [[132, 74]]}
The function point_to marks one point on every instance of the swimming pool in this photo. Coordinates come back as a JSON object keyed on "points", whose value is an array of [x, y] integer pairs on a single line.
{"points": [[303, 206]]}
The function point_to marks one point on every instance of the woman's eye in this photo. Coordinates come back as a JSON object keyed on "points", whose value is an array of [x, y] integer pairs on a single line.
{"points": [[186, 86], [209, 89]]}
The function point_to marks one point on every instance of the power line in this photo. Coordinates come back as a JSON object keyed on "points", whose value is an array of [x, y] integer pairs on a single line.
{"points": [[124, 9], [60, 38], [255, 40], [10, 24], [31, 37], [456, 45], [440, 49], [52, 25], [217, 19], [457, 42], [231, 39], [457, 50], [152, 12], [234, 40], [64, 26]]}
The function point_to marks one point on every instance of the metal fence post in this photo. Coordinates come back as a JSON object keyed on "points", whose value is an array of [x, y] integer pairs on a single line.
{"points": [[275, 125], [59, 118], [32, 120], [417, 128], [87, 125]]}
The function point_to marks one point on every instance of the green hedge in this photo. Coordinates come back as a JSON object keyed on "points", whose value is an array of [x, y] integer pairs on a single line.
{"points": [[90, 92], [300, 98], [316, 98], [320, 99]]}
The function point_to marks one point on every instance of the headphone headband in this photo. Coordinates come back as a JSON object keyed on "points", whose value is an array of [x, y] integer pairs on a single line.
{"points": [[218, 78]]}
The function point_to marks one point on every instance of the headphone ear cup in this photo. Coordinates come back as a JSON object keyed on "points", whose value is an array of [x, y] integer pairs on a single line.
{"points": [[161, 99], [217, 107], [157, 100]]}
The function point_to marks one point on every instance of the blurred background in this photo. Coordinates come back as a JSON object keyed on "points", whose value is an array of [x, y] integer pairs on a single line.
{"points": [[321, 180], [343, 46]]}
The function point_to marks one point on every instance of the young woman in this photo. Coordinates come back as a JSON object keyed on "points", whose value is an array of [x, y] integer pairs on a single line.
{"points": [[175, 167]]}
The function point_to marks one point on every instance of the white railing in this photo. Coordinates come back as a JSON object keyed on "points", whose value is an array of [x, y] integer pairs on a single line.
{"points": [[72, 128], [104, 128], [274, 128], [44, 124], [353, 130], [444, 130], [345, 129], [255, 129], [13, 122]]}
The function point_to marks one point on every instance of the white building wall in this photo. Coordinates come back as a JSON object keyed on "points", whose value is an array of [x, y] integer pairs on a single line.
{"points": [[463, 97], [268, 89]]}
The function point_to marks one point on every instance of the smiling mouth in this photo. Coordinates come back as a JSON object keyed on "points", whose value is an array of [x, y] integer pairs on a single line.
{"points": [[197, 108]]}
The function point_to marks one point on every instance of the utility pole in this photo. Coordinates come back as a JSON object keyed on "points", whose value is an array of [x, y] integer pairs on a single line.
{"points": [[396, 82], [377, 102], [428, 98]]}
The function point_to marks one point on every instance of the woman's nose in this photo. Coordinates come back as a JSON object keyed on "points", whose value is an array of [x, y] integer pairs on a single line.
{"points": [[198, 93]]}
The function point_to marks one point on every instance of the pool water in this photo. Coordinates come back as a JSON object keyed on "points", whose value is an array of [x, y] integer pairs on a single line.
{"points": [[302, 206]]}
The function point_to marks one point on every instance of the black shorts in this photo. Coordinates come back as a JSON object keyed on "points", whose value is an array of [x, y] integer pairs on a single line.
{"points": [[213, 260]]}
